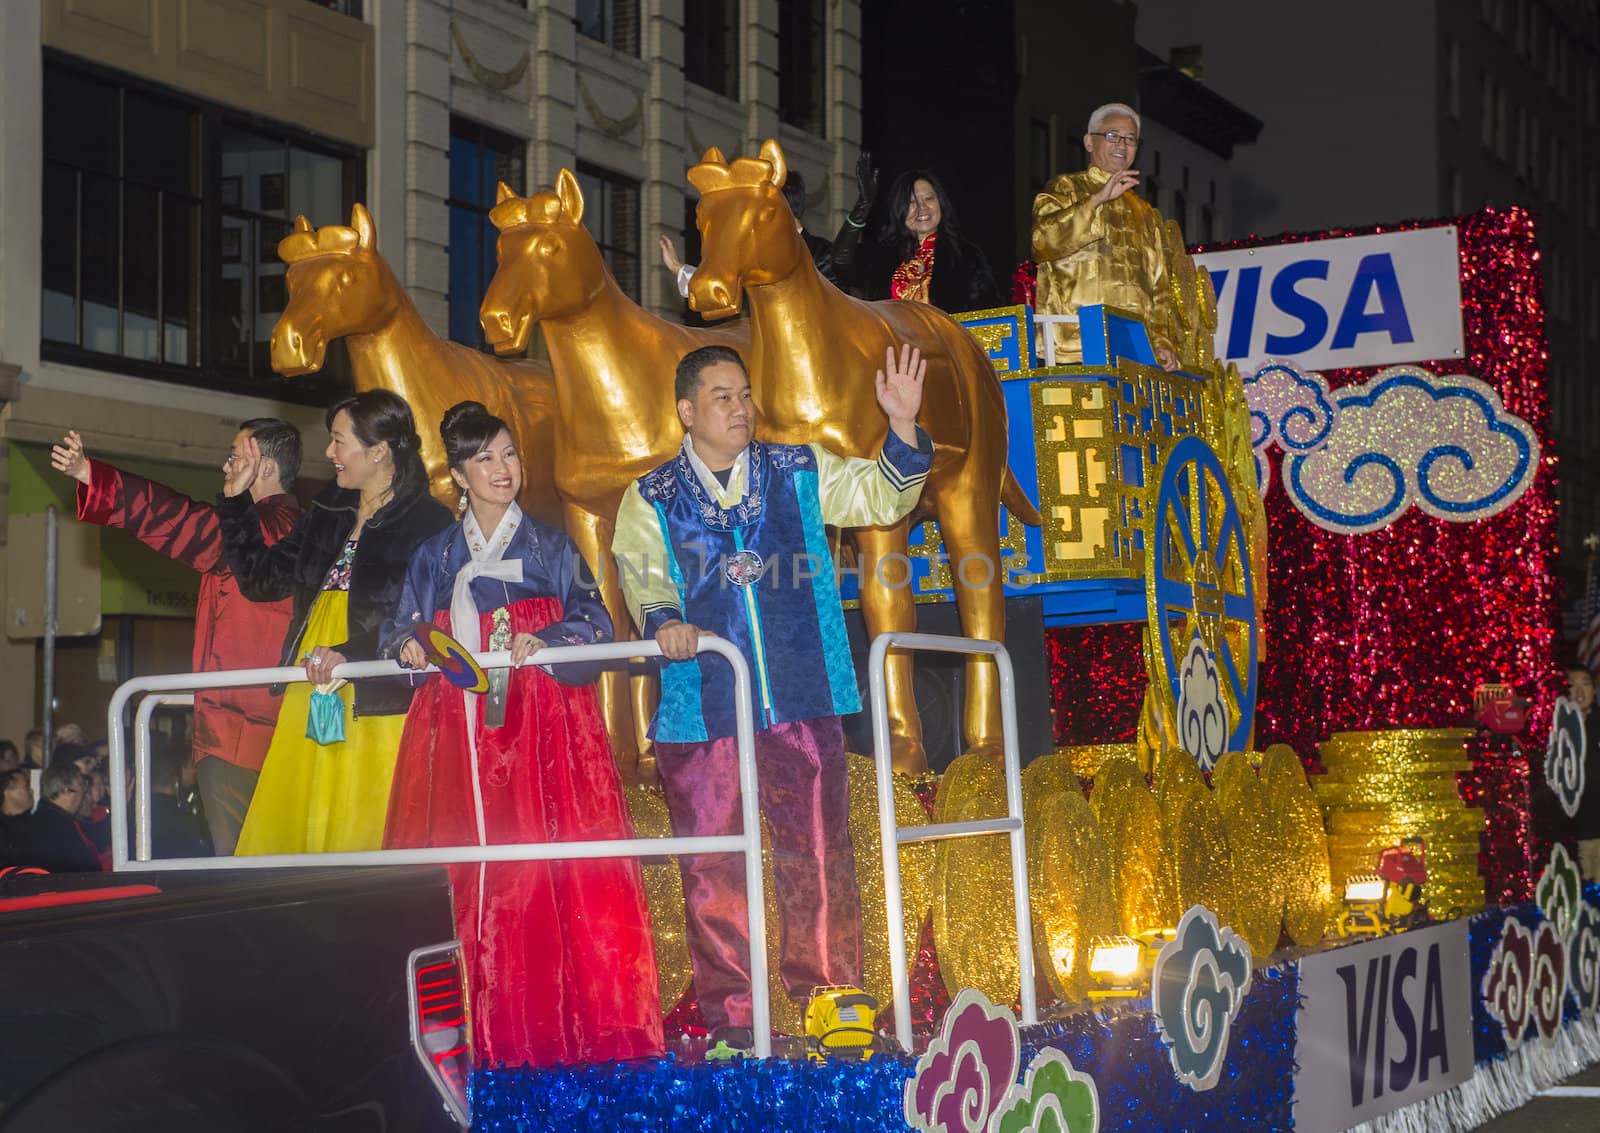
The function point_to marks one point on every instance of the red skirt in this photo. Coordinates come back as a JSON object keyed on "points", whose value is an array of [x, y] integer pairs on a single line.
{"points": [[560, 961]]}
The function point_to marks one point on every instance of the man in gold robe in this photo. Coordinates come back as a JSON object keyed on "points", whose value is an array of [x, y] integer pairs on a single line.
{"points": [[1097, 241]]}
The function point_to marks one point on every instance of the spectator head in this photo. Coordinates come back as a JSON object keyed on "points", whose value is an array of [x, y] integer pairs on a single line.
{"points": [[376, 417], [63, 784], [1580, 687], [33, 748], [94, 792], [70, 734], [16, 792], [80, 754], [10, 757], [279, 443], [166, 766]]}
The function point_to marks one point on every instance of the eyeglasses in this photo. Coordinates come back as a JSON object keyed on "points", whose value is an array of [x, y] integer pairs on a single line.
{"points": [[1114, 137]]}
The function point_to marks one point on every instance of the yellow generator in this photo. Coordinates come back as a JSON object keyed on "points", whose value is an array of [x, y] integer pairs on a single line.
{"points": [[842, 1022]]}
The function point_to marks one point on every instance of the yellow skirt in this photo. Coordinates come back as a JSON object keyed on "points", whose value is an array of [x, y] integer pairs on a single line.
{"points": [[312, 797]]}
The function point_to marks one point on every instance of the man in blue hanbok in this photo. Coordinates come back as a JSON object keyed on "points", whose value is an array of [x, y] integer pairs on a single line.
{"points": [[729, 538]]}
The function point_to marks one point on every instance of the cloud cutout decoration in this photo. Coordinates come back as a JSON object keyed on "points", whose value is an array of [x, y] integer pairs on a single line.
{"points": [[1559, 893], [1197, 983], [1202, 713], [1563, 757], [1583, 960], [962, 1077], [1051, 1098], [1548, 995], [1410, 438], [1506, 994], [1289, 407]]}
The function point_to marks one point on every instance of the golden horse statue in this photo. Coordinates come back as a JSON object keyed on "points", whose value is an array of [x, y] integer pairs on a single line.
{"points": [[813, 352], [613, 363], [340, 287]]}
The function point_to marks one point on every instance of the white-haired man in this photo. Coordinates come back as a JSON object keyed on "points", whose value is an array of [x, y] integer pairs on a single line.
{"points": [[1097, 241]]}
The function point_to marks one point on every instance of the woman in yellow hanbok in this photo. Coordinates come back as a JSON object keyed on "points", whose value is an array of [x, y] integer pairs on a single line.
{"points": [[325, 783]]}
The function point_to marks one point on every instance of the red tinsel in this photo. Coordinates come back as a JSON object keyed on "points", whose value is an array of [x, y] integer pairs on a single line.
{"points": [[1394, 629]]}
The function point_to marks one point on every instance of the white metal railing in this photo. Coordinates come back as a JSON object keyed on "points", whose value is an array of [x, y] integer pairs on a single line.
{"points": [[1044, 339], [748, 843], [141, 765], [893, 836]]}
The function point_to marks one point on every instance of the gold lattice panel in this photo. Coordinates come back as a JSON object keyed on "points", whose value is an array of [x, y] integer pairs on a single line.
{"points": [[1100, 442]]}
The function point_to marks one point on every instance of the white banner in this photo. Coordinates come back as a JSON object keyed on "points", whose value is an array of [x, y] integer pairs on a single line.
{"points": [[1329, 304], [1384, 1024]]}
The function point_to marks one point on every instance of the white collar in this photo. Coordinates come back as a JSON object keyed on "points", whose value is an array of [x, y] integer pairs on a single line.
{"points": [[737, 477]]}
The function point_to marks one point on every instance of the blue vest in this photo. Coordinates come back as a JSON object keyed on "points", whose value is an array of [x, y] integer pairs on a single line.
{"points": [[741, 573]]}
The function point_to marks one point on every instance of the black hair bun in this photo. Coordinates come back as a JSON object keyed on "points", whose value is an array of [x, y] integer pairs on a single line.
{"points": [[460, 414]]}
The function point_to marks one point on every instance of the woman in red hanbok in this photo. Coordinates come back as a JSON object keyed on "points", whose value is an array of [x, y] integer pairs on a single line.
{"points": [[560, 960]]}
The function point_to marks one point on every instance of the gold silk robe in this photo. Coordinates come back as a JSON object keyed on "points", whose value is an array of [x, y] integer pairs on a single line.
{"points": [[1112, 254]]}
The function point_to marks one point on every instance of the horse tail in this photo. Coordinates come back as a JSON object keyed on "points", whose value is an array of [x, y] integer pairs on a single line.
{"points": [[1017, 502]]}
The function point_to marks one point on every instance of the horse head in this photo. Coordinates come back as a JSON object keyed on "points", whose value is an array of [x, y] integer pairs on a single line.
{"points": [[748, 233], [338, 285], [548, 263]]}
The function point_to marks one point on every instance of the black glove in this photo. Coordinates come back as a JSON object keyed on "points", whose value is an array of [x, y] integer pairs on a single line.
{"points": [[866, 190]]}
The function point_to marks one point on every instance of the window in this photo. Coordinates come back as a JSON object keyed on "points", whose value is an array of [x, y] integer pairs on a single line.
{"points": [[802, 60], [611, 212], [480, 158], [711, 45], [344, 7], [614, 23], [160, 224]]}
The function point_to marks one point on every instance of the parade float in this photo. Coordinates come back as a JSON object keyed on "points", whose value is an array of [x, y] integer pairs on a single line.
{"points": [[1272, 878]]}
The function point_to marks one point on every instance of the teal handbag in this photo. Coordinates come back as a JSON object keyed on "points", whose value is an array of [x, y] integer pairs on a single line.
{"points": [[325, 718]]}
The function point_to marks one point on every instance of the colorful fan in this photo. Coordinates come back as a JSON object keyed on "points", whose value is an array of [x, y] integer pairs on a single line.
{"points": [[451, 658]]}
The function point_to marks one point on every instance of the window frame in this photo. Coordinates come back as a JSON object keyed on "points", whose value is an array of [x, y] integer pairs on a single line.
{"points": [[461, 127], [593, 209], [211, 121]]}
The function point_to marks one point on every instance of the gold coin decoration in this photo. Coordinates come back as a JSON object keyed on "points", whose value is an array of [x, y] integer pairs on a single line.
{"points": [[1230, 771], [1087, 759], [1385, 786], [663, 890], [916, 873], [1205, 863], [1045, 776], [1253, 837], [974, 922], [1069, 878], [1308, 893], [1131, 828]]}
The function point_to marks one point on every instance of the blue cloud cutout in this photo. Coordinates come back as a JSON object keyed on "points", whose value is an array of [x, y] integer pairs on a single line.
{"points": [[1197, 984]]}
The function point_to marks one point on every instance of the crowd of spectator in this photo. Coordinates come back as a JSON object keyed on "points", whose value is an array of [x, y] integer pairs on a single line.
{"points": [[55, 814]]}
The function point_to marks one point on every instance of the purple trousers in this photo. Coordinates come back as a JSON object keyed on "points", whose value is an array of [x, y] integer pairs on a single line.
{"points": [[805, 798]]}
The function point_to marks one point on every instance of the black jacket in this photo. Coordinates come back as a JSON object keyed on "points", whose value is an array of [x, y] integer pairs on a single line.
{"points": [[54, 840], [296, 565], [1586, 823], [962, 280]]}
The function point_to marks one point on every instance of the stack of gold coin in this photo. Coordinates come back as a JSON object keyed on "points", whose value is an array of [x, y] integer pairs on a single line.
{"points": [[1382, 787]]}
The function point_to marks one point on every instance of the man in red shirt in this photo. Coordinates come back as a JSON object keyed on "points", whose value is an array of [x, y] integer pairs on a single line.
{"points": [[232, 727]]}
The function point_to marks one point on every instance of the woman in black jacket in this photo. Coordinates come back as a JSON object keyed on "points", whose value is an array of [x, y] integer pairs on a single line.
{"points": [[325, 782], [917, 252]]}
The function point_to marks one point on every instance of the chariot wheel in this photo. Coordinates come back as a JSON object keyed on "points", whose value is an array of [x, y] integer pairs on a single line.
{"points": [[1198, 580]]}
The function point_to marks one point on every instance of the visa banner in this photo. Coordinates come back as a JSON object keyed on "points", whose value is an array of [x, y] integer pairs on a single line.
{"points": [[1383, 1024], [1351, 301]]}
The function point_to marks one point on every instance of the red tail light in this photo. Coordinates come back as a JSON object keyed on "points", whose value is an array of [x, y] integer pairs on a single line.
{"points": [[441, 1025]]}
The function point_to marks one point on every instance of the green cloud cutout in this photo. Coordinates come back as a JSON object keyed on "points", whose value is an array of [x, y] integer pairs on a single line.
{"points": [[1559, 892], [1052, 1098]]}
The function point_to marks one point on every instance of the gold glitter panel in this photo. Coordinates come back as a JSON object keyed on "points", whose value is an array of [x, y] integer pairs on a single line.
{"points": [[974, 922], [1069, 877], [916, 873], [1229, 774], [663, 889], [1253, 836], [1087, 759], [1130, 824], [1385, 786], [1043, 778], [1308, 892], [1205, 862]]}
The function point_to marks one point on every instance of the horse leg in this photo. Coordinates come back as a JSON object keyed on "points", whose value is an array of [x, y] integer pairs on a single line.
{"points": [[592, 536], [887, 608], [970, 523]]}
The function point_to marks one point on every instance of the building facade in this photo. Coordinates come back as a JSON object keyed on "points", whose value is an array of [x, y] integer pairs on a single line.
{"points": [[154, 154]]}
